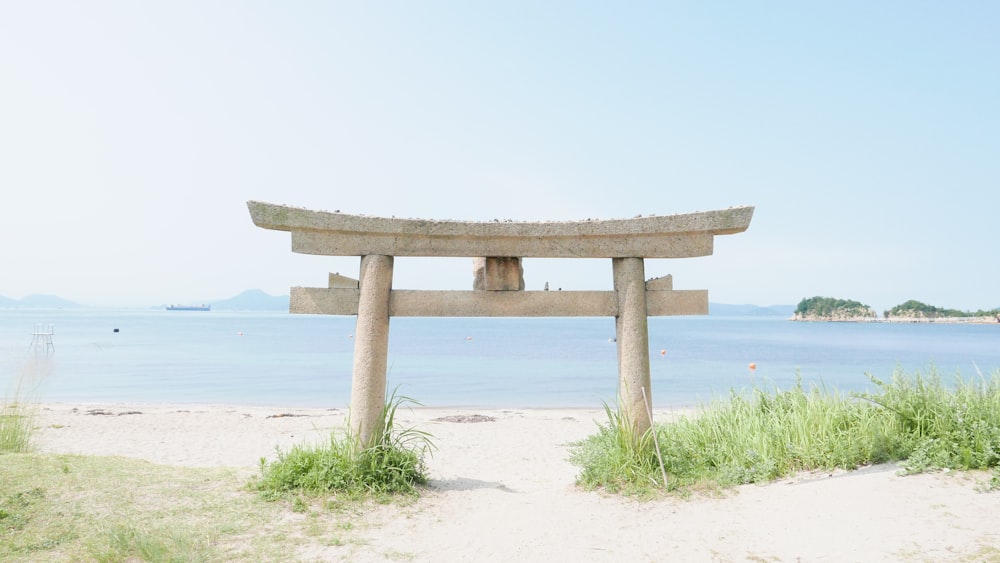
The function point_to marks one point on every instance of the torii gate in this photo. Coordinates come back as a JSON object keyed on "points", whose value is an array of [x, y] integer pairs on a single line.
{"points": [[498, 286]]}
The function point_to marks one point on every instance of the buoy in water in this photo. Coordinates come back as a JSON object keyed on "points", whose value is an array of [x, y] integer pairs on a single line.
{"points": [[752, 366], [663, 352]]}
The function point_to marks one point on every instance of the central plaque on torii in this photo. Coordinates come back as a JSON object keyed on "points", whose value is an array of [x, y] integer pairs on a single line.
{"points": [[498, 288]]}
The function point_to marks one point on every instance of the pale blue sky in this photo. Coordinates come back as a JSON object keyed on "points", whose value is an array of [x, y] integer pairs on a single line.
{"points": [[865, 133]]}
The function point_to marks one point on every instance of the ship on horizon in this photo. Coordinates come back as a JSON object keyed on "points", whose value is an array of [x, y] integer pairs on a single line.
{"points": [[201, 307]]}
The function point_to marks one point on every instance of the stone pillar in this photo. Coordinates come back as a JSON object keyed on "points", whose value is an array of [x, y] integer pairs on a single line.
{"points": [[632, 331], [371, 347], [497, 274]]}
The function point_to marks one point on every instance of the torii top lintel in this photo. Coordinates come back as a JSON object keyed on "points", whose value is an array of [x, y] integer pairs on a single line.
{"points": [[340, 234]]}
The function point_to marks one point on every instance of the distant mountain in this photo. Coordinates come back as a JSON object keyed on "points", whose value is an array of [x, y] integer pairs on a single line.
{"points": [[727, 310], [252, 300], [38, 302]]}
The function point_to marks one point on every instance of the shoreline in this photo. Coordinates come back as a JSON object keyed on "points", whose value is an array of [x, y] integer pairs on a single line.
{"points": [[237, 436], [501, 487]]}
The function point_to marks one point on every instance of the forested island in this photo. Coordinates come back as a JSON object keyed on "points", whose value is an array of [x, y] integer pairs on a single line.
{"points": [[829, 309], [917, 310]]}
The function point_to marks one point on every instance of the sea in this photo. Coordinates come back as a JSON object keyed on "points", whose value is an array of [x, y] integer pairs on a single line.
{"points": [[280, 359]]}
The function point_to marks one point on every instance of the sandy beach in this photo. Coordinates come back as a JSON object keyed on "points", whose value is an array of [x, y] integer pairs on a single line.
{"points": [[502, 489]]}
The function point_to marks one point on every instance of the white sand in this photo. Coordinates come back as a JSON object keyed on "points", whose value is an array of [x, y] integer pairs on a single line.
{"points": [[503, 491]]}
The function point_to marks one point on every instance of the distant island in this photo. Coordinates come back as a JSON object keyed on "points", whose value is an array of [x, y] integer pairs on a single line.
{"points": [[252, 300], [829, 309], [915, 311]]}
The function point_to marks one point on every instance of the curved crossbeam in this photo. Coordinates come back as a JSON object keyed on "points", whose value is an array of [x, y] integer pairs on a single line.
{"points": [[341, 234]]}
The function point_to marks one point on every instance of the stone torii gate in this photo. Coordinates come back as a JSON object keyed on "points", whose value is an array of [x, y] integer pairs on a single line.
{"points": [[498, 287]]}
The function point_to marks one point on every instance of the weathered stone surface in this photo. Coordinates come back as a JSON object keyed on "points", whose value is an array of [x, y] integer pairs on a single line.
{"points": [[665, 283], [497, 274], [632, 331], [339, 234], [676, 302], [429, 303], [371, 347], [339, 281]]}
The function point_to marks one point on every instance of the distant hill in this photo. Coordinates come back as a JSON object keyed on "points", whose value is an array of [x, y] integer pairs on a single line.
{"points": [[252, 300], [747, 310], [38, 302]]}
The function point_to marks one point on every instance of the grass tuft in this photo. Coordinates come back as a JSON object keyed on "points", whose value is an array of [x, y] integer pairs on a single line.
{"points": [[956, 427], [617, 459], [393, 464], [127, 542], [17, 415], [769, 434], [16, 423]]}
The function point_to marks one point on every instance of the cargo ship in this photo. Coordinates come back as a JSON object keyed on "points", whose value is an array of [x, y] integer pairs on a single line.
{"points": [[189, 307]]}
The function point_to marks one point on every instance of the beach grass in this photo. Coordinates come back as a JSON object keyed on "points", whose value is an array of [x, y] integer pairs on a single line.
{"points": [[953, 426], [392, 465], [17, 412], [763, 435], [16, 423]]}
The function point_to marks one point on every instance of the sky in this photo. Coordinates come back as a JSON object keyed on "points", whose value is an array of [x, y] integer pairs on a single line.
{"points": [[866, 134]]}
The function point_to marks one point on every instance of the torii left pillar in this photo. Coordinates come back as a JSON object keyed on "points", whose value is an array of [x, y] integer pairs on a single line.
{"points": [[632, 335], [371, 348]]}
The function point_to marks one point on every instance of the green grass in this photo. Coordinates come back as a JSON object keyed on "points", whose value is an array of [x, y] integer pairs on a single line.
{"points": [[956, 427], [81, 508], [17, 413], [392, 465], [769, 434], [68, 508]]}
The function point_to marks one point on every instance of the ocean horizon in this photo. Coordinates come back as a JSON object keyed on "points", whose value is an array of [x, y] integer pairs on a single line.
{"points": [[269, 358]]}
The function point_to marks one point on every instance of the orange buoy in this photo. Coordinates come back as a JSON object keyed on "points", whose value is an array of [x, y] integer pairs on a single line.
{"points": [[663, 352], [753, 366]]}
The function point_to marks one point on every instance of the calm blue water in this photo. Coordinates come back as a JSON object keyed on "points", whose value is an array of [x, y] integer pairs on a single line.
{"points": [[303, 360]]}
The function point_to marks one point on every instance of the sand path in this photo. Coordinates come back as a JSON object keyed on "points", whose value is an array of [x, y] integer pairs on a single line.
{"points": [[502, 490]]}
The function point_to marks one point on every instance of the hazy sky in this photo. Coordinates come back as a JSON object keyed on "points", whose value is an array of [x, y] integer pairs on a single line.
{"points": [[867, 135]]}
